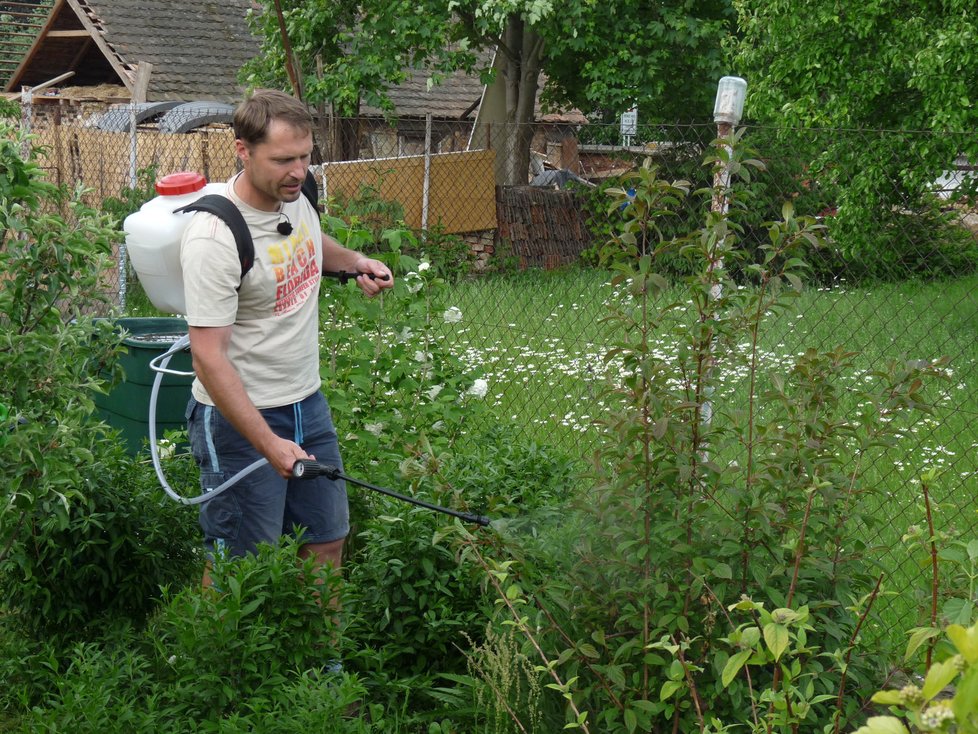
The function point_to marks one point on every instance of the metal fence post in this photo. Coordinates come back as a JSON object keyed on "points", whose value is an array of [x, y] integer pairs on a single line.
{"points": [[727, 111], [426, 189], [26, 115]]}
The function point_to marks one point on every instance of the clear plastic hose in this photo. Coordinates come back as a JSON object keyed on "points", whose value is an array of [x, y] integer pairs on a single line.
{"points": [[160, 366]]}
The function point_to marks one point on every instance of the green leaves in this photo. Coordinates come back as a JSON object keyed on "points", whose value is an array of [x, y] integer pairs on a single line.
{"points": [[54, 251]]}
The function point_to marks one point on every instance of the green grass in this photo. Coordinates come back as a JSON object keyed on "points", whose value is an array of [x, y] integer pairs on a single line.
{"points": [[538, 340]]}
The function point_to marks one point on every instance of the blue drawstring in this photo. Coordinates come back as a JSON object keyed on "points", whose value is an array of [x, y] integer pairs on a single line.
{"points": [[297, 411]]}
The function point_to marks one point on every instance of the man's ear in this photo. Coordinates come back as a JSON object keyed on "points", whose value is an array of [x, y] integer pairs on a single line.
{"points": [[241, 150]]}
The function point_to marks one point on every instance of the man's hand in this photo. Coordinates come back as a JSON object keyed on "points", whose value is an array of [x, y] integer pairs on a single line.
{"points": [[383, 278], [282, 455]]}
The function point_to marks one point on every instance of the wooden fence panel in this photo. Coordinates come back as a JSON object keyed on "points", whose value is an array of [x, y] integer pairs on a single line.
{"points": [[546, 228], [101, 160], [461, 195]]}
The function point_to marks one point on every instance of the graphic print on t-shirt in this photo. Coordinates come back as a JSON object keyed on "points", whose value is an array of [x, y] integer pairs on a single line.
{"points": [[293, 261]]}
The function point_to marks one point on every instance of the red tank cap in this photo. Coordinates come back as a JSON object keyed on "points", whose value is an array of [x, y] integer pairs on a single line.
{"points": [[183, 182]]}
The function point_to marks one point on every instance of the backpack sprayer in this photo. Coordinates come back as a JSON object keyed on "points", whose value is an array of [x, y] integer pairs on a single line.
{"points": [[153, 236]]}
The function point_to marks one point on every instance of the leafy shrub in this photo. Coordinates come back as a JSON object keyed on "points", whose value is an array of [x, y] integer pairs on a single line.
{"points": [[130, 199], [415, 602], [927, 243], [418, 602], [306, 703], [373, 218], [392, 384], [102, 556], [883, 222], [946, 699], [367, 210], [217, 650], [98, 689], [503, 475], [54, 251], [251, 658]]}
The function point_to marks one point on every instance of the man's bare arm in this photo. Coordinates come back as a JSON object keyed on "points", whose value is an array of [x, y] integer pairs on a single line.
{"points": [[209, 347]]}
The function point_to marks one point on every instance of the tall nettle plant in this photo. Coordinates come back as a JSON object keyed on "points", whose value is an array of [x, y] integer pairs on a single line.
{"points": [[700, 503]]}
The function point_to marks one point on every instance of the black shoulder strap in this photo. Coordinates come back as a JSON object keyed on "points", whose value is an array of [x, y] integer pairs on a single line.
{"points": [[311, 190], [225, 210]]}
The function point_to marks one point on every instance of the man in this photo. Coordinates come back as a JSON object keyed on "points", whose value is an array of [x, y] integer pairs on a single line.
{"points": [[255, 344]]}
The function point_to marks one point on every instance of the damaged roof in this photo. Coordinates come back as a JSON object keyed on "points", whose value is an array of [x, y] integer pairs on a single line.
{"points": [[196, 48]]}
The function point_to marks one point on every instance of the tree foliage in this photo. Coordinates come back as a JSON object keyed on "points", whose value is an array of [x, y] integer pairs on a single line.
{"points": [[598, 57], [882, 65]]}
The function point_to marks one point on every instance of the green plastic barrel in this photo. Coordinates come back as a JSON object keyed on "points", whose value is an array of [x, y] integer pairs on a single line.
{"points": [[126, 407]]}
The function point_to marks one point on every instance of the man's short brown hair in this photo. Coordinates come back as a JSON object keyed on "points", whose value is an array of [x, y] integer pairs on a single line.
{"points": [[253, 116]]}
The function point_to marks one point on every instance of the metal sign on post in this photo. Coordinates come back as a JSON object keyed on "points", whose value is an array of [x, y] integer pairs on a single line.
{"points": [[629, 126]]}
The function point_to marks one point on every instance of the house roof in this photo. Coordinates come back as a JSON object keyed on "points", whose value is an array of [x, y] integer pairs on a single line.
{"points": [[20, 22], [195, 46], [454, 96]]}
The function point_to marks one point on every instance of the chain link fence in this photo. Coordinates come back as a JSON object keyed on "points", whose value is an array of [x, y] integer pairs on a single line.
{"points": [[895, 280]]}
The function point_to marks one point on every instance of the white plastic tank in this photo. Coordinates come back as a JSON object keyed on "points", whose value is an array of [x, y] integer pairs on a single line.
{"points": [[153, 237]]}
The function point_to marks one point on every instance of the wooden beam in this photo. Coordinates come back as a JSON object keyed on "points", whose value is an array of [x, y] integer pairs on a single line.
{"points": [[69, 34], [23, 15], [82, 50], [14, 80], [115, 61]]}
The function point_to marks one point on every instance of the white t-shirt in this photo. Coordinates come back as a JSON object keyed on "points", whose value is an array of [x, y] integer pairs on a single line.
{"points": [[275, 315]]}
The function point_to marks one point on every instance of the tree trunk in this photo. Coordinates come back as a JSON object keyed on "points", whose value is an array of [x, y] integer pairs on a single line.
{"points": [[339, 138], [522, 48]]}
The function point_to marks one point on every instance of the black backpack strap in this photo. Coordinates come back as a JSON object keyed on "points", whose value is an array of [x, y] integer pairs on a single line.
{"points": [[225, 210], [311, 190]]}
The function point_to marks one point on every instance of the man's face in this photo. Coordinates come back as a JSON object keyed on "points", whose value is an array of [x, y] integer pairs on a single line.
{"points": [[274, 169]]}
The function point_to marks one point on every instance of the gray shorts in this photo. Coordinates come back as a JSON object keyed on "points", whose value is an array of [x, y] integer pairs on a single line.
{"points": [[264, 506]]}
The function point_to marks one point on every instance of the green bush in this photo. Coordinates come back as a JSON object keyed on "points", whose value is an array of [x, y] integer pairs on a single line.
{"points": [[414, 602], [392, 383], [104, 556], [54, 251], [883, 222], [253, 657], [700, 512], [263, 627], [98, 689], [373, 218], [504, 475]]}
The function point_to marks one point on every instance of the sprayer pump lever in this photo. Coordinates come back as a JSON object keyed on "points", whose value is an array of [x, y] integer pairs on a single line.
{"points": [[308, 469]]}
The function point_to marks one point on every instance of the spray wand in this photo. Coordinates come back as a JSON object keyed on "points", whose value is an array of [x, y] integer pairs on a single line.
{"points": [[308, 469]]}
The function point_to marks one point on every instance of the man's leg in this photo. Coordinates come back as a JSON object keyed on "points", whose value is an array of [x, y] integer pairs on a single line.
{"points": [[326, 554], [251, 511]]}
